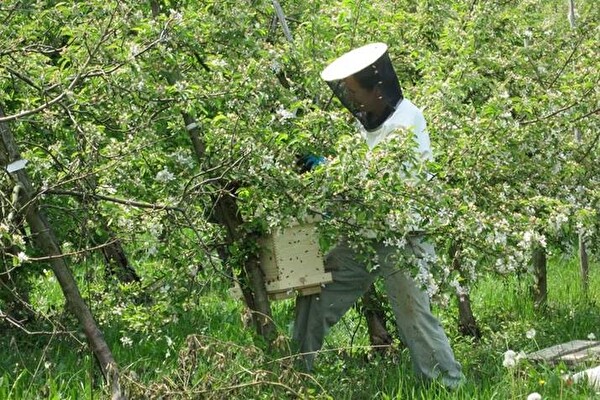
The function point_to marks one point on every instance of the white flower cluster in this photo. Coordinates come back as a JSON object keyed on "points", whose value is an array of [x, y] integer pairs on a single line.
{"points": [[155, 229], [284, 115], [531, 238], [507, 264], [275, 66], [557, 221], [175, 16], [22, 257], [126, 341], [183, 159], [460, 290], [512, 358], [164, 175], [426, 278]]}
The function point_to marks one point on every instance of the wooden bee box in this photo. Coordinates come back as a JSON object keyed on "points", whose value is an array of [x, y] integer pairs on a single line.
{"points": [[292, 261]]}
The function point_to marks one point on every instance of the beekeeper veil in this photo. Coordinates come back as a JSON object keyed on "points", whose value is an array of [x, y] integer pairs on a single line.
{"points": [[365, 82]]}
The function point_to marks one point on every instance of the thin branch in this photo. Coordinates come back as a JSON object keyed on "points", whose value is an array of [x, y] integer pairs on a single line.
{"points": [[564, 66], [131, 203], [81, 76], [18, 325], [560, 110], [73, 253], [43, 106], [21, 77]]}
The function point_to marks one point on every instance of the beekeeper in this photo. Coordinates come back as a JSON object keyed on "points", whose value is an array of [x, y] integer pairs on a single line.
{"points": [[365, 82]]}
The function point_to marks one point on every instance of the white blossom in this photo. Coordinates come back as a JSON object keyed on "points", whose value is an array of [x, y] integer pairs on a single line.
{"points": [[184, 160], [591, 336], [126, 341], [558, 221], [534, 396], [460, 290], [222, 64], [155, 229], [284, 114], [18, 240], [164, 176], [151, 251], [530, 334], [134, 49], [22, 257], [275, 66], [176, 16], [193, 270]]}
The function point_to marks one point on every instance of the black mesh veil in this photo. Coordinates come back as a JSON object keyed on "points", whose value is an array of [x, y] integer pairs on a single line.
{"points": [[365, 82]]}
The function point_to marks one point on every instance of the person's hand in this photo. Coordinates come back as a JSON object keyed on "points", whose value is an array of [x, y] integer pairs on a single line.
{"points": [[305, 163]]}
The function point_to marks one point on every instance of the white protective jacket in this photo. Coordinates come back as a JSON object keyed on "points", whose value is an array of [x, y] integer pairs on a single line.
{"points": [[407, 116]]}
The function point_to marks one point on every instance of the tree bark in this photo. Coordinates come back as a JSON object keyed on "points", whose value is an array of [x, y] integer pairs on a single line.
{"points": [[540, 275], [47, 242], [379, 336], [467, 324], [226, 213], [117, 263], [584, 266], [255, 292]]}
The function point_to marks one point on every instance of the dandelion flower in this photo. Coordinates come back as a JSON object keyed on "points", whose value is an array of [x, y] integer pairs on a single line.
{"points": [[509, 359], [509, 363], [534, 396], [530, 334], [512, 358], [591, 336]]}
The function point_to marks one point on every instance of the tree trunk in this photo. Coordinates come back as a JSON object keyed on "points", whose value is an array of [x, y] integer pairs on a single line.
{"points": [[583, 257], [226, 213], [540, 275], [255, 292], [584, 265], [117, 263], [467, 324], [379, 336], [46, 241]]}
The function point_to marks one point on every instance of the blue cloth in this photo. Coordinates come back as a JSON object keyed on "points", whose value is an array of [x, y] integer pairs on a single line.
{"points": [[308, 162]]}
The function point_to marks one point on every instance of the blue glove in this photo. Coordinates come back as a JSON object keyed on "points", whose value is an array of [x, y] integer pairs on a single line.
{"points": [[308, 162]]}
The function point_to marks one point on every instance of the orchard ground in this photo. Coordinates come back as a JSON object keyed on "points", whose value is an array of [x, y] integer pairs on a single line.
{"points": [[207, 352]]}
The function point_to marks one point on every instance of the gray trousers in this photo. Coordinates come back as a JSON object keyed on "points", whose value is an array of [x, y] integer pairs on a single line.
{"points": [[419, 329]]}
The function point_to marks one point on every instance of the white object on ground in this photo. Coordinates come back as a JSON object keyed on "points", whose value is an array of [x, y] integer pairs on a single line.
{"points": [[592, 375]]}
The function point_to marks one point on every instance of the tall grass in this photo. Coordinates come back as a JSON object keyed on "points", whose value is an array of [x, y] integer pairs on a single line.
{"points": [[207, 352]]}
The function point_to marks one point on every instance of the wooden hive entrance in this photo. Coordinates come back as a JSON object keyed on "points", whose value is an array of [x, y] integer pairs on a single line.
{"points": [[292, 261]]}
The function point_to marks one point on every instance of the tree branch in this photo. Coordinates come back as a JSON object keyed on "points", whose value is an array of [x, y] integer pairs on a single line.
{"points": [[131, 203]]}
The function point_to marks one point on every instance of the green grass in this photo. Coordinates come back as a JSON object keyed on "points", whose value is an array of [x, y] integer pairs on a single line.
{"points": [[223, 359]]}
